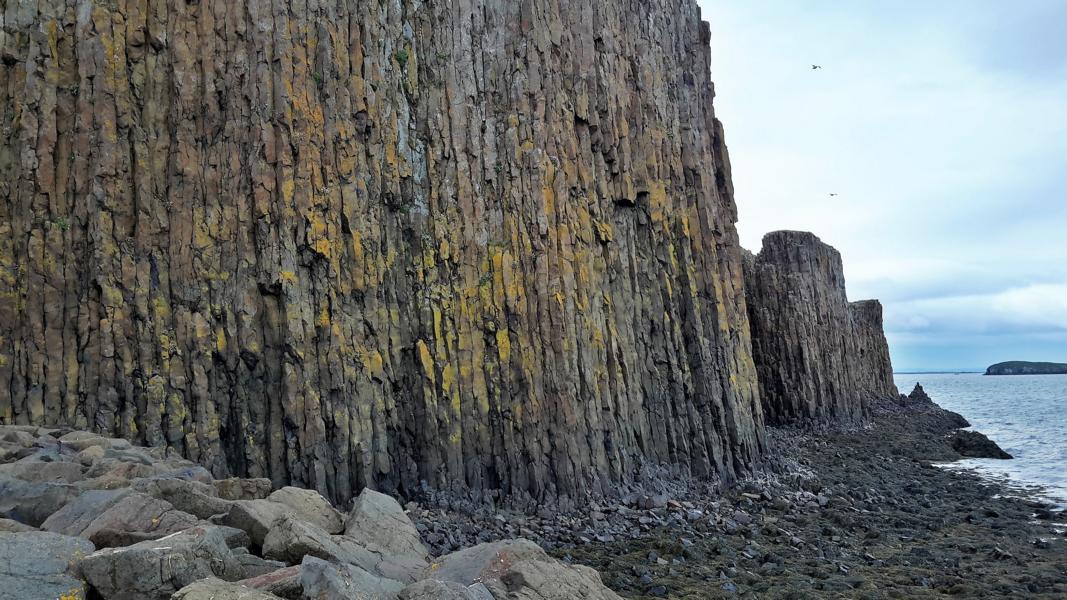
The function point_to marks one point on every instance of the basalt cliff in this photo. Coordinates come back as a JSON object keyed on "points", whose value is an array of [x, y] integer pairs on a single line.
{"points": [[820, 358], [473, 246]]}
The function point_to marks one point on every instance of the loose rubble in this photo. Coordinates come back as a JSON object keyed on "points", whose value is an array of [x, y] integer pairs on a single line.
{"points": [[854, 513]]}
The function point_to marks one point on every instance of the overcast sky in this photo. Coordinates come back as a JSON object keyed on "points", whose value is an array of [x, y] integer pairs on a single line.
{"points": [[942, 127]]}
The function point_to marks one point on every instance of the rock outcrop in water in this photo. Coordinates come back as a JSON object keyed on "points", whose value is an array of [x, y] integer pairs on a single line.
{"points": [[819, 359], [478, 245]]}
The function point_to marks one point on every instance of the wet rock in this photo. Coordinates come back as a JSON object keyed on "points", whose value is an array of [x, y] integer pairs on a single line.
{"points": [[973, 444], [216, 589], [156, 569], [36, 565]]}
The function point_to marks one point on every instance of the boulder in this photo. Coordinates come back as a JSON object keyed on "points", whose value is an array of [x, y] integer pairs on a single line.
{"points": [[290, 540], [11, 526], [284, 583], [253, 516], [29, 469], [237, 488], [35, 565], [156, 569], [193, 497], [325, 581], [520, 570], [90, 455], [216, 589], [310, 506], [379, 520], [235, 538], [254, 566], [32, 502], [118, 517]]}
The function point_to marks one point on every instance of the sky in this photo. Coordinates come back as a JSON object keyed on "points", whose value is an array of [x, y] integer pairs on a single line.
{"points": [[942, 128]]}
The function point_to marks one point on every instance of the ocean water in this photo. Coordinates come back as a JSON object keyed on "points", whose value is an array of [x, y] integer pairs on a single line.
{"points": [[1026, 415]]}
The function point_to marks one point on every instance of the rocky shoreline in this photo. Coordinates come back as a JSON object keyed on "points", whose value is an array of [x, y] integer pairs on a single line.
{"points": [[859, 513], [850, 513]]}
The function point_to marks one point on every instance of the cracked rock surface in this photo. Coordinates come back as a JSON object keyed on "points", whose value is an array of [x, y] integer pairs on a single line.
{"points": [[482, 245]]}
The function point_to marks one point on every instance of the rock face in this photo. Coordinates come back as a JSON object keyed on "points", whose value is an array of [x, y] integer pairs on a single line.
{"points": [[819, 359], [483, 245], [872, 365]]}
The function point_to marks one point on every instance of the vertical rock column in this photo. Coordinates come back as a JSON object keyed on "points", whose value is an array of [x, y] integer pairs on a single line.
{"points": [[802, 336], [872, 364], [479, 245]]}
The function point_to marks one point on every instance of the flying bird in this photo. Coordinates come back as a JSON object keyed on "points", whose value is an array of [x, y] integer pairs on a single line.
{"points": [[832, 195], [813, 67]]}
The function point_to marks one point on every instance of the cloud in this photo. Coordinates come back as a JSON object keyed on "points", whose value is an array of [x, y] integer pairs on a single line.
{"points": [[942, 127]]}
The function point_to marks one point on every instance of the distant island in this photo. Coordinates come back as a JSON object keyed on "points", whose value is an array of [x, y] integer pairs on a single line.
{"points": [[1020, 367]]}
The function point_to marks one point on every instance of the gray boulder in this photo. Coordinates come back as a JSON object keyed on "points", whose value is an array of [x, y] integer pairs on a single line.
{"points": [[310, 506], [29, 469], [378, 520], [290, 540], [193, 497], [254, 517], [216, 589], [35, 565], [118, 517], [254, 566], [156, 569], [32, 502], [520, 570], [321, 580], [11, 526]]}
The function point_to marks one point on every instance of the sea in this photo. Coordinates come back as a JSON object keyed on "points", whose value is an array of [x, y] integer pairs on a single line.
{"points": [[1026, 415]]}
